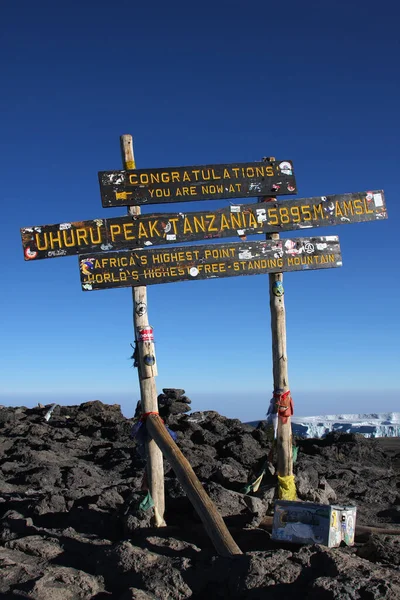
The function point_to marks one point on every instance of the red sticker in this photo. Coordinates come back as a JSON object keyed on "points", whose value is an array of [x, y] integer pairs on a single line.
{"points": [[145, 334], [30, 254]]}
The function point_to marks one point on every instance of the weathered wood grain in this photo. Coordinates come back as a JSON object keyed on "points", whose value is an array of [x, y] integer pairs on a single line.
{"points": [[180, 263], [213, 523], [134, 231], [146, 372], [204, 182]]}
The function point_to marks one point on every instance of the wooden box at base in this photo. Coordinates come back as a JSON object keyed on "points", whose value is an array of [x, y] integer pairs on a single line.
{"points": [[312, 523]]}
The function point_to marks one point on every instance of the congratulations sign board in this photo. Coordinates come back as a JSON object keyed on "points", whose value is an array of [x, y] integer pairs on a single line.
{"points": [[49, 241], [208, 182], [180, 263]]}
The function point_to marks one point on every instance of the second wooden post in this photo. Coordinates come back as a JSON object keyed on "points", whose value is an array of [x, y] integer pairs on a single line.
{"points": [[281, 395]]}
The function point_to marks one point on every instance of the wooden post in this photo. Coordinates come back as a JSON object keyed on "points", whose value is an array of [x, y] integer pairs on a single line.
{"points": [[280, 365], [213, 523], [147, 368]]}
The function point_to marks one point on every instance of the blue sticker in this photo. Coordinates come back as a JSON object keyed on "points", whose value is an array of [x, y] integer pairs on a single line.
{"points": [[277, 288], [149, 360]]}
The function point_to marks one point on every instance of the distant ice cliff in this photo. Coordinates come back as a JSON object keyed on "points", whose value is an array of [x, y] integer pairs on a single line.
{"points": [[371, 425]]}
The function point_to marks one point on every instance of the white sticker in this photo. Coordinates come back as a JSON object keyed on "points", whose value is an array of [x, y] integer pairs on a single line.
{"points": [[194, 271], [147, 243], [339, 263], [240, 232], [285, 167], [235, 208], [171, 236], [378, 200], [261, 215], [331, 238], [245, 254], [65, 226], [87, 286]]}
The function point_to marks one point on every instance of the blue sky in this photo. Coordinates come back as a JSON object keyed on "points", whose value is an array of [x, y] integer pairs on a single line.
{"points": [[313, 82]]}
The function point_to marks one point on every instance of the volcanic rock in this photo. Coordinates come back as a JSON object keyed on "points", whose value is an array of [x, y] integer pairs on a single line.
{"points": [[74, 524]]}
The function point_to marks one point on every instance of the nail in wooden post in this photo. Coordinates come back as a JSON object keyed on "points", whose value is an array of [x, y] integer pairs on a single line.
{"points": [[147, 368]]}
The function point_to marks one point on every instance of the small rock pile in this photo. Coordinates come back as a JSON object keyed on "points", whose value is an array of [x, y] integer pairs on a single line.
{"points": [[171, 402], [73, 523]]}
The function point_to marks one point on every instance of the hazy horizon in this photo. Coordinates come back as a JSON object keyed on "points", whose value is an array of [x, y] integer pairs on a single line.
{"points": [[250, 406]]}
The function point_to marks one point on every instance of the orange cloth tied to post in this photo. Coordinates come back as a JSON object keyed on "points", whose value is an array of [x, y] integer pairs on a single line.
{"points": [[284, 405]]}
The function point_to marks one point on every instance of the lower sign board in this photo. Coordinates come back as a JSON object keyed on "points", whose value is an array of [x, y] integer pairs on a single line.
{"points": [[117, 233], [206, 182], [182, 263]]}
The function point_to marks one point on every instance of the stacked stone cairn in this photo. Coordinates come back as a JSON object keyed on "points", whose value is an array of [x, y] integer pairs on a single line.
{"points": [[173, 402]]}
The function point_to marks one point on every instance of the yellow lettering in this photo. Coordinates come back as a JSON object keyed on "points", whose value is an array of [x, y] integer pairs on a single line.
{"points": [[113, 262], [133, 179], [71, 242], [144, 178], [38, 246], [186, 176], [367, 211], [128, 231], [187, 228], [199, 225], [348, 208], [174, 176], [114, 231], [153, 229], [252, 220], [358, 207], [142, 230], [81, 236], [338, 210], [224, 223], [284, 214], [91, 232], [318, 211], [56, 239], [295, 211], [269, 171], [193, 190], [305, 211], [210, 225], [174, 220], [236, 220], [272, 216], [226, 174]]}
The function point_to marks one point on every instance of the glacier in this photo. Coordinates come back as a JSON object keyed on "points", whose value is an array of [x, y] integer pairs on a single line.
{"points": [[370, 425]]}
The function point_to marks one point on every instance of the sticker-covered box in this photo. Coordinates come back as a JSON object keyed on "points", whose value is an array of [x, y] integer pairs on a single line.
{"points": [[311, 523]]}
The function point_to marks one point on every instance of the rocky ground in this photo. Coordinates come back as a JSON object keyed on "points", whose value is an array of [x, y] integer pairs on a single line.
{"points": [[71, 527]]}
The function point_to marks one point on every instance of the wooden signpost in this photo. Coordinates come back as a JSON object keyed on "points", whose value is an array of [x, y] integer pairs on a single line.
{"points": [[205, 182], [118, 252], [182, 263], [117, 233]]}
